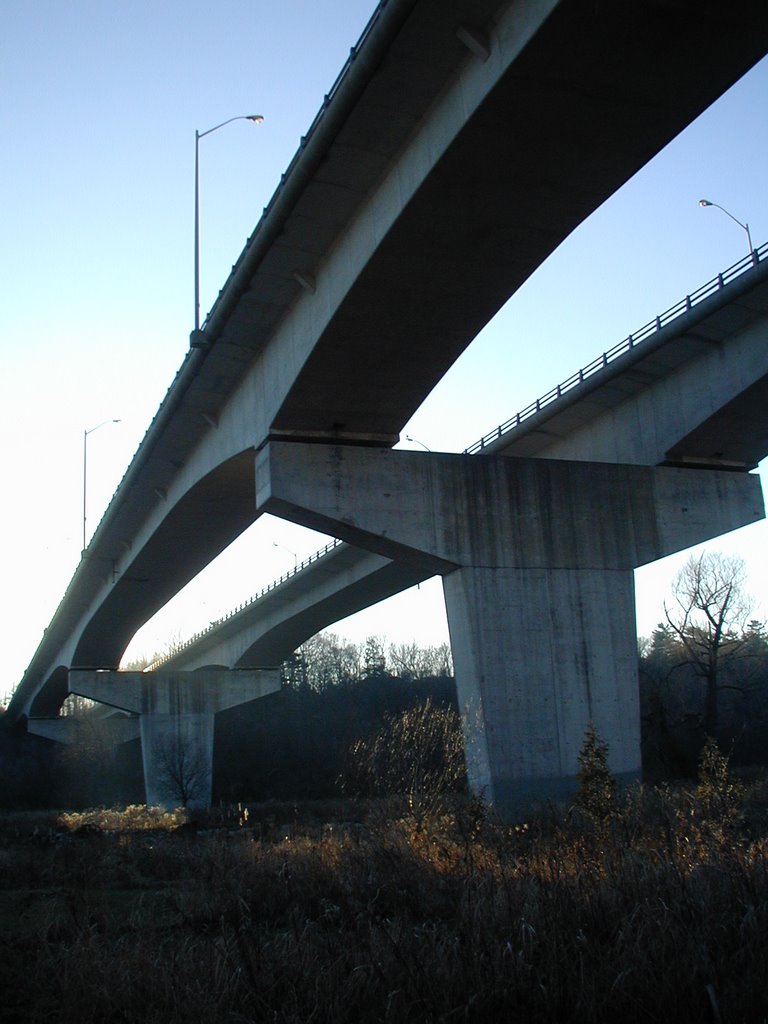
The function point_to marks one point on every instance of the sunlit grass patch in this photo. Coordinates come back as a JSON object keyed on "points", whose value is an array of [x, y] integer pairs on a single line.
{"points": [[132, 818]]}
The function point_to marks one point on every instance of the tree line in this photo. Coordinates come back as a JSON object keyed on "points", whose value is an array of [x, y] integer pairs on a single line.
{"points": [[297, 743]]}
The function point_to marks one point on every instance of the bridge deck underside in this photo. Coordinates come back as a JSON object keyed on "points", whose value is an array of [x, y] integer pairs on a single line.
{"points": [[557, 135]]}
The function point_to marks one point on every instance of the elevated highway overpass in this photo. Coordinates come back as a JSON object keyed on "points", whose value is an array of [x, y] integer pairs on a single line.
{"points": [[460, 145], [706, 358]]}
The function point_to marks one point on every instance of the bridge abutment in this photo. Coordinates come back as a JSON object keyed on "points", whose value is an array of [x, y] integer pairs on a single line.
{"points": [[537, 559], [176, 716]]}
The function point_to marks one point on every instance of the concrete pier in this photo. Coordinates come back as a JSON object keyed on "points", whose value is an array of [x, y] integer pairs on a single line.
{"points": [[176, 712], [537, 559], [538, 654]]}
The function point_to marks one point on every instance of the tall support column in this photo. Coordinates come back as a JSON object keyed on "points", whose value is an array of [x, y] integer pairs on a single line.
{"points": [[177, 755], [537, 559], [177, 712], [538, 655]]}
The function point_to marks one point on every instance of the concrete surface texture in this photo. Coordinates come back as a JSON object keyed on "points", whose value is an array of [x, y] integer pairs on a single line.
{"points": [[269, 629]]}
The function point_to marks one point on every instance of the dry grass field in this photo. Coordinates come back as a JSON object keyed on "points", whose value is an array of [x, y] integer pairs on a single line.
{"points": [[420, 910]]}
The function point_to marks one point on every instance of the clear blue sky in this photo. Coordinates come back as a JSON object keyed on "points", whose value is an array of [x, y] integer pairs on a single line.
{"points": [[99, 102]]}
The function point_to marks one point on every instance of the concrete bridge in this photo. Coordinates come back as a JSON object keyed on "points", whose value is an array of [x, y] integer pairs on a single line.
{"points": [[706, 358], [402, 225]]}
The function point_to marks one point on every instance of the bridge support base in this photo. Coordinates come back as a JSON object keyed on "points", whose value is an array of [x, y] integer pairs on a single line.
{"points": [[537, 560], [177, 711]]}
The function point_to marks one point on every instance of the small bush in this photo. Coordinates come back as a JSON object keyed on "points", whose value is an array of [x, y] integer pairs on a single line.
{"points": [[720, 797], [596, 795], [418, 754]]}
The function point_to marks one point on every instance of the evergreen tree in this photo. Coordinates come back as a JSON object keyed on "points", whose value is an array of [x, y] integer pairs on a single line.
{"points": [[596, 794]]}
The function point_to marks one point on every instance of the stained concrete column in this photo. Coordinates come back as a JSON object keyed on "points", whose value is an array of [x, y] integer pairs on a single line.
{"points": [[538, 654], [537, 559], [177, 712], [177, 756]]}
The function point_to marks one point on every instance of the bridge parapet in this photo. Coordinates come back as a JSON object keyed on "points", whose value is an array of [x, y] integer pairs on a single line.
{"points": [[625, 346]]}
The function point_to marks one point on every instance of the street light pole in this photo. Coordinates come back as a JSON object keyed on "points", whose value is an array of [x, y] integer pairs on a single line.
{"points": [[745, 227], [85, 468], [257, 119], [295, 556]]}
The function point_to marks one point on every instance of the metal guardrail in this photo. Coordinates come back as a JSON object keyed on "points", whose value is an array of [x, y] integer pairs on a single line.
{"points": [[300, 566], [626, 345]]}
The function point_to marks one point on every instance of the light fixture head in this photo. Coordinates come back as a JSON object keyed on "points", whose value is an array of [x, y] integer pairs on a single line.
{"points": [[704, 202], [256, 118]]}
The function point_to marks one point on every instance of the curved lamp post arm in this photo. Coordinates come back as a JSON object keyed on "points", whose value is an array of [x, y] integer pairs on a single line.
{"points": [[256, 119], [415, 440], [744, 227], [295, 556]]}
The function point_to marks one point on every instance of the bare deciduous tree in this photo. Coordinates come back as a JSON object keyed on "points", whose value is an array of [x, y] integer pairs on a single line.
{"points": [[183, 769], [708, 618], [325, 660], [409, 661]]}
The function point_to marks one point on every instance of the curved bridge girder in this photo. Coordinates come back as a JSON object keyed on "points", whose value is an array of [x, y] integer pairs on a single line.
{"points": [[209, 517], [50, 697]]}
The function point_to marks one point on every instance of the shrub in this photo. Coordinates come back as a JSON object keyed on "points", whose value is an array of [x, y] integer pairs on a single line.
{"points": [[325, 917], [419, 754], [596, 795], [720, 797]]}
